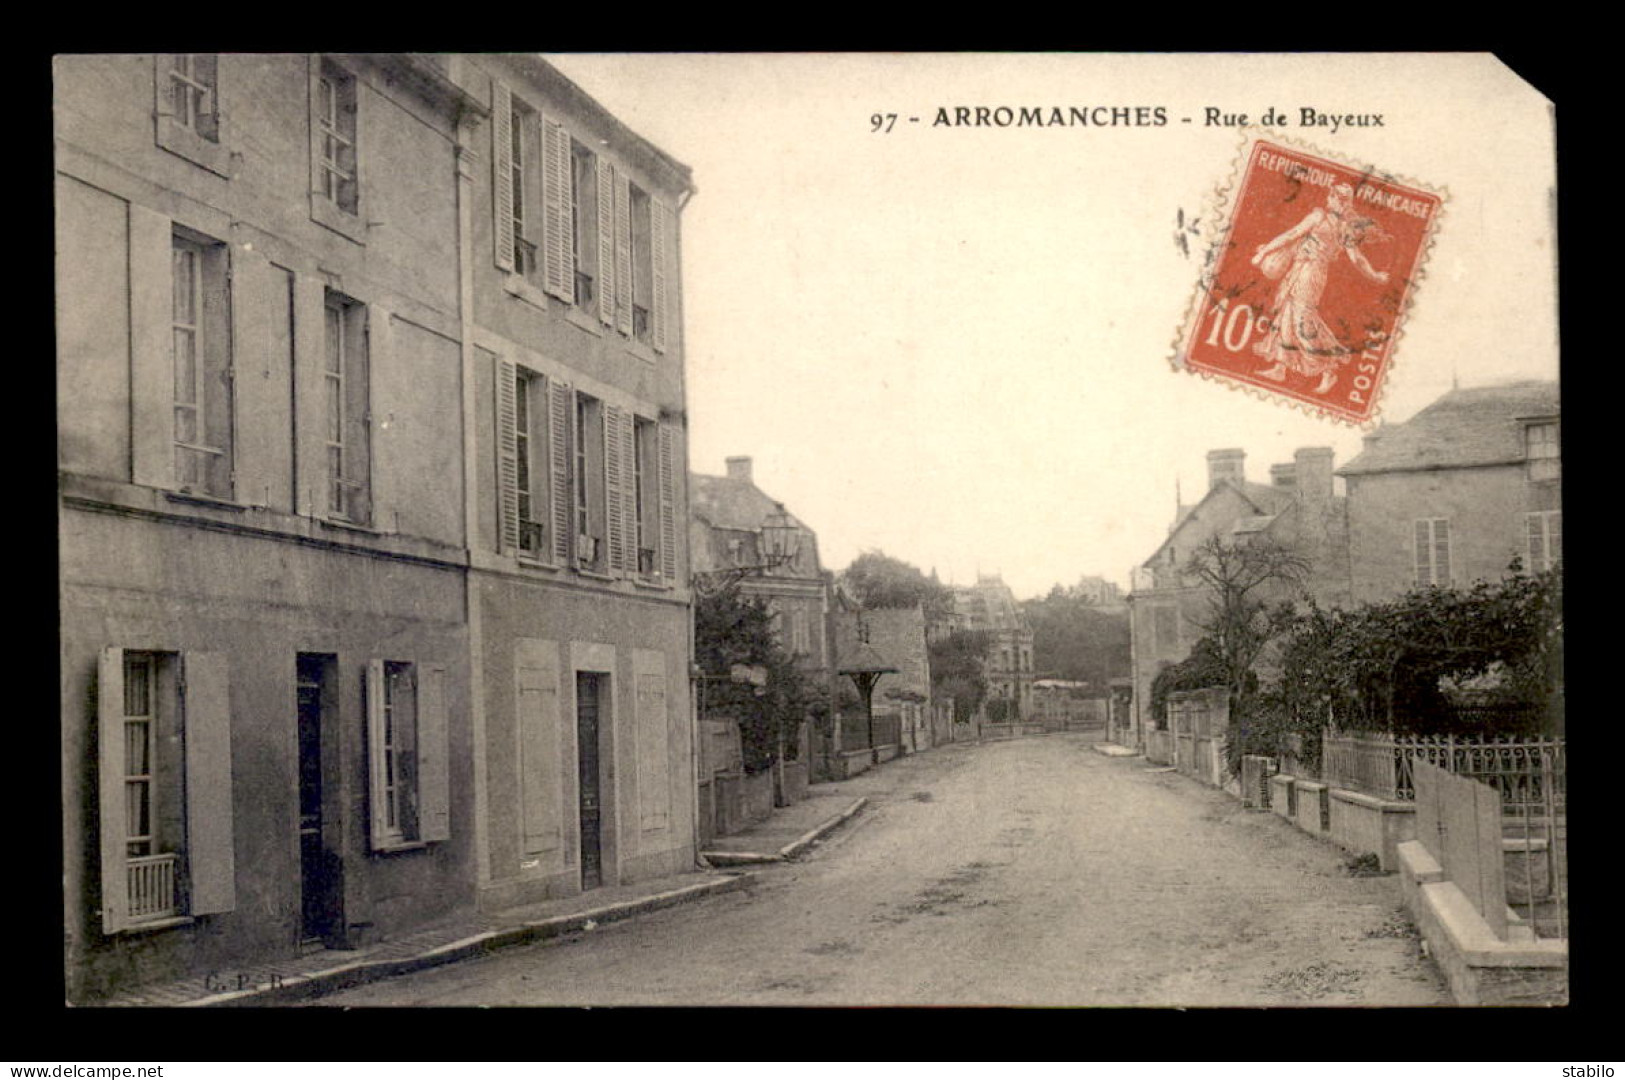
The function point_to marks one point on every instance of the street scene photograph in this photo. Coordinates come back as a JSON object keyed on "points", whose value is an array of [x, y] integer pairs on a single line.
{"points": [[1010, 530]]}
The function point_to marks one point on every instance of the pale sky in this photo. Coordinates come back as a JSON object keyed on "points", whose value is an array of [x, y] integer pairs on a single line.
{"points": [[952, 344]]}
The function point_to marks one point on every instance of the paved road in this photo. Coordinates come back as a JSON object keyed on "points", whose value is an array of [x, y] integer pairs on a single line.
{"points": [[1026, 872]]}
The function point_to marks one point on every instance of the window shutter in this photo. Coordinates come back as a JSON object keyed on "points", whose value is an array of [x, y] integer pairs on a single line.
{"points": [[560, 415], [210, 855], [623, 255], [110, 788], [367, 447], [615, 487], [608, 281], [260, 354], [629, 490], [668, 504], [654, 739], [660, 247], [152, 348], [507, 457], [1423, 551], [502, 193], [373, 693], [536, 684], [309, 314], [558, 276], [1441, 551], [434, 746]]}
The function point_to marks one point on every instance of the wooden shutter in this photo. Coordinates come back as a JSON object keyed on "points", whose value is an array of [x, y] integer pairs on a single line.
{"points": [[507, 457], [310, 453], [629, 492], [433, 756], [608, 281], [502, 193], [660, 248], [372, 448], [558, 276], [653, 739], [260, 363], [152, 348], [615, 467], [560, 415], [668, 504], [110, 788], [373, 692], [623, 255], [536, 687], [1441, 551], [210, 855]]}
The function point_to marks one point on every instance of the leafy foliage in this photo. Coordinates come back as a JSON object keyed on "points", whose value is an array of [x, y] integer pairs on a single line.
{"points": [[1073, 638], [879, 581], [958, 669], [729, 630]]}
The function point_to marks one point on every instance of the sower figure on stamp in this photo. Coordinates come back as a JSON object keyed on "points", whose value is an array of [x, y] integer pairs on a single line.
{"points": [[1297, 337]]}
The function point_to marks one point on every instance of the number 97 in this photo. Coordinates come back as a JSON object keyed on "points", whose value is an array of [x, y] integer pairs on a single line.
{"points": [[881, 121]]}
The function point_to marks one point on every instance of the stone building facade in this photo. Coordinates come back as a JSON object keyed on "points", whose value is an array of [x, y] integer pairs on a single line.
{"points": [[990, 606]]}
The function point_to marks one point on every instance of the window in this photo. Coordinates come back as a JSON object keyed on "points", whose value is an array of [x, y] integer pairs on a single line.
{"points": [[584, 224], [519, 171], [335, 138], [589, 482], [407, 745], [1544, 533], [164, 762], [201, 346], [345, 396], [800, 639], [1545, 462], [642, 266], [192, 93], [1433, 551], [646, 509], [186, 100], [532, 532]]}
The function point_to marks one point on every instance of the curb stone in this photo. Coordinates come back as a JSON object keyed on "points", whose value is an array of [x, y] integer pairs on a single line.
{"points": [[791, 850], [299, 987]]}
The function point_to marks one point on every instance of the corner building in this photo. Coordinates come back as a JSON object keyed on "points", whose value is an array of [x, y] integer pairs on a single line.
{"points": [[578, 588]]}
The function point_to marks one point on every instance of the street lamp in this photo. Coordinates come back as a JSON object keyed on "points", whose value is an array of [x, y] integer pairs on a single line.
{"points": [[778, 542], [865, 670]]}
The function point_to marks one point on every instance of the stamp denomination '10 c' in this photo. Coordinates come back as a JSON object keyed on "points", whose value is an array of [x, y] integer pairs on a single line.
{"points": [[1305, 292]]}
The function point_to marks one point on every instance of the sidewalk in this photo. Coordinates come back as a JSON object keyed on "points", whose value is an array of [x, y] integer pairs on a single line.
{"points": [[789, 830], [284, 981]]}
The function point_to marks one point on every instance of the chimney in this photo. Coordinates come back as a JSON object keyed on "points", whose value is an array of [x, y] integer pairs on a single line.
{"points": [[739, 469], [1284, 477], [1314, 469], [1226, 465]]}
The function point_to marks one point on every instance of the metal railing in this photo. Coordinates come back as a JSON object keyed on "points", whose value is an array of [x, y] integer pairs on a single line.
{"points": [[150, 887]]}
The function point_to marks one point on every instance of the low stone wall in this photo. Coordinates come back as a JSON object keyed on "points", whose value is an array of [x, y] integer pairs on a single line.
{"points": [[1364, 823], [850, 763], [1313, 809], [742, 800], [1480, 968], [1159, 747], [795, 782], [1284, 796]]}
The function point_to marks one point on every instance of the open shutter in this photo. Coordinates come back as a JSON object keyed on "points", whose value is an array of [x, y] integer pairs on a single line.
{"points": [[608, 280], [260, 358], [372, 447], [110, 789], [310, 441], [623, 255], [668, 505], [210, 856], [152, 348], [373, 692], [558, 275], [615, 466], [660, 248], [560, 415], [502, 192], [507, 456], [536, 683], [433, 752], [629, 492]]}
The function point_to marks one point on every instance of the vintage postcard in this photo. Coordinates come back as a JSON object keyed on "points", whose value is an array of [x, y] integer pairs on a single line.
{"points": [[820, 529]]}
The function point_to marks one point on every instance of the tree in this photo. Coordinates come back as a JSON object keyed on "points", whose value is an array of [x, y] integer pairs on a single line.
{"points": [[730, 630], [1244, 581], [877, 580], [1073, 638], [958, 669]]}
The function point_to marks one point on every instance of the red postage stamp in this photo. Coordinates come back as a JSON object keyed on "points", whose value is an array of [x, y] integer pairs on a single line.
{"points": [[1306, 289]]}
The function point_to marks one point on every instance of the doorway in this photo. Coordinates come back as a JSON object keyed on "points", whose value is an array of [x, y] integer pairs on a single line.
{"points": [[319, 879], [589, 688]]}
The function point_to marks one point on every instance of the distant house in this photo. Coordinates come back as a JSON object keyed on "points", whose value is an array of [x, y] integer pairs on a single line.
{"points": [[1298, 509], [897, 635], [990, 606], [1458, 492]]}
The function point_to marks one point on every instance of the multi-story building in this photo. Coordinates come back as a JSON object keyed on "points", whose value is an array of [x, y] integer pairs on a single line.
{"points": [[990, 606], [266, 737], [372, 487], [1298, 509], [897, 637], [1458, 492], [577, 465]]}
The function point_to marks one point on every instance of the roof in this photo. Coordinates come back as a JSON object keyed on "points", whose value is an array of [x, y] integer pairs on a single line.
{"points": [[1266, 500], [727, 503], [1467, 427]]}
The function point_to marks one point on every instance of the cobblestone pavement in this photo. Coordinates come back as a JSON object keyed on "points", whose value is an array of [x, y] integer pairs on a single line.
{"points": [[1025, 872]]}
